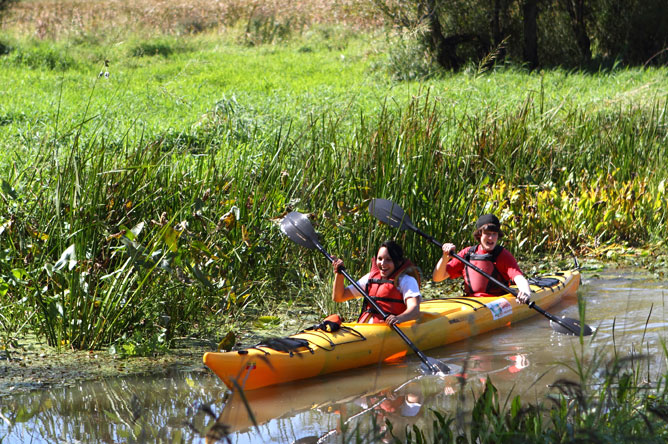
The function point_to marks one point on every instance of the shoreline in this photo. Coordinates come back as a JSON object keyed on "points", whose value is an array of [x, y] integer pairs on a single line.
{"points": [[35, 366]]}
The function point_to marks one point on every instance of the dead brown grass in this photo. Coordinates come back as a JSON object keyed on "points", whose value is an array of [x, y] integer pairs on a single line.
{"points": [[57, 19]]}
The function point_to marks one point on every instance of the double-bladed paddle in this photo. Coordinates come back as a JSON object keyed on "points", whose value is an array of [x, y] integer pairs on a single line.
{"points": [[298, 228], [393, 215]]}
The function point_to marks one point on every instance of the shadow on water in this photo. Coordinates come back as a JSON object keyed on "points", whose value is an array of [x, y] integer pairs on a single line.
{"points": [[627, 308]]}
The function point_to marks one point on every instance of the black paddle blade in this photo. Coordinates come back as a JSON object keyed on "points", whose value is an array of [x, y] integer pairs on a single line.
{"points": [[389, 213], [570, 326], [435, 367], [298, 228]]}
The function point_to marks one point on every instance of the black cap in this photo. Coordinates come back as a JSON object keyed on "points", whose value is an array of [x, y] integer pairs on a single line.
{"points": [[491, 220]]}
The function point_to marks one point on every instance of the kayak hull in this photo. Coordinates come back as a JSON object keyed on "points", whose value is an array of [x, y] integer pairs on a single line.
{"points": [[442, 322]]}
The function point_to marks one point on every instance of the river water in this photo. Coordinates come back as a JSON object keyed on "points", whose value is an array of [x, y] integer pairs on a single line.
{"points": [[626, 307]]}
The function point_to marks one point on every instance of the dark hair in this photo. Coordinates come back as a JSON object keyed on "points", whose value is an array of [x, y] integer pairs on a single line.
{"points": [[477, 234], [395, 251]]}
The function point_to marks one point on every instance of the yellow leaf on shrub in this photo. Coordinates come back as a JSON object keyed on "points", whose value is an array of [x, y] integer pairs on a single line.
{"points": [[40, 235], [171, 237], [228, 219], [244, 235]]}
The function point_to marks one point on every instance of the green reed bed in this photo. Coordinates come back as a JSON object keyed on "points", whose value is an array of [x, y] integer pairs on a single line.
{"points": [[144, 205], [174, 228]]}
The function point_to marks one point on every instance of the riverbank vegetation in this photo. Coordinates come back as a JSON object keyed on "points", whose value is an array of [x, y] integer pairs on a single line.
{"points": [[146, 163], [148, 151], [611, 401]]}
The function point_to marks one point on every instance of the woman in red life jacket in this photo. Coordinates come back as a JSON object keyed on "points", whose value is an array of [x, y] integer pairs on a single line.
{"points": [[489, 257], [392, 283]]}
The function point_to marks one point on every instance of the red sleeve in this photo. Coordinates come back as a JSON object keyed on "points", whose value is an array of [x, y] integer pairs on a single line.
{"points": [[455, 267], [507, 265]]}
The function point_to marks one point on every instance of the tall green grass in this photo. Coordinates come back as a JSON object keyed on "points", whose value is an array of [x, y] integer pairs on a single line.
{"points": [[147, 203]]}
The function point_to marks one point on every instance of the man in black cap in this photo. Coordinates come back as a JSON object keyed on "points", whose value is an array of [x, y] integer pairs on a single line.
{"points": [[490, 257]]}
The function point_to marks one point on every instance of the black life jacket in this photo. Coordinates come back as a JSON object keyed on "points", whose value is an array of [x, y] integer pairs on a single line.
{"points": [[475, 282]]}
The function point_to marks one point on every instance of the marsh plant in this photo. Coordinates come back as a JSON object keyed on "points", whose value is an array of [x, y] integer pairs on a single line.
{"points": [[158, 234], [143, 181], [609, 400]]}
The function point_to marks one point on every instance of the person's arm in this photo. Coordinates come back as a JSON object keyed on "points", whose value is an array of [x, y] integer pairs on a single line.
{"points": [[440, 272], [410, 291], [412, 312], [524, 294], [507, 265], [340, 293]]}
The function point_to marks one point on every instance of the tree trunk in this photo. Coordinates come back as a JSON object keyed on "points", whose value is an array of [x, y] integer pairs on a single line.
{"points": [[576, 10], [530, 10], [446, 55], [497, 34], [496, 28]]}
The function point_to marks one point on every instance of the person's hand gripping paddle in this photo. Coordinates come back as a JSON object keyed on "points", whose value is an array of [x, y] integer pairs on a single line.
{"points": [[298, 228], [393, 215]]}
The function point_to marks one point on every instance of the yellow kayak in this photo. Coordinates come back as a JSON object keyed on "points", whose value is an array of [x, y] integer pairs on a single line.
{"points": [[316, 352]]}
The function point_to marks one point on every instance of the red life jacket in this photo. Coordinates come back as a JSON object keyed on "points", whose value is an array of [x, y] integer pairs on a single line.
{"points": [[475, 282], [385, 293]]}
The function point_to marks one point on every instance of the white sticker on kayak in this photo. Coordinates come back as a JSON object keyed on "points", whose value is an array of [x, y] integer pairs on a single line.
{"points": [[500, 308]]}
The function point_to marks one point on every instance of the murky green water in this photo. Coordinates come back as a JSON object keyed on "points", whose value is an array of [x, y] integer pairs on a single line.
{"points": [[627, 308]]}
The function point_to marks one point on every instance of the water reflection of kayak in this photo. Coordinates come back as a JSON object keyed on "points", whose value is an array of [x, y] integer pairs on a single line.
{"points": [[316, 352], [319, 393], [397, 392]]}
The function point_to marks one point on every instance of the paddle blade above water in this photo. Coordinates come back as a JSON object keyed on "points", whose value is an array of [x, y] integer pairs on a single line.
{"points": [[570, 326], [389, 213], [298, 228]]}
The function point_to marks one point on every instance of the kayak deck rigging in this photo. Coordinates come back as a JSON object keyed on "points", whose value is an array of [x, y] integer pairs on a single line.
{"points": [[289, 344]]}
